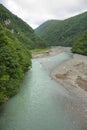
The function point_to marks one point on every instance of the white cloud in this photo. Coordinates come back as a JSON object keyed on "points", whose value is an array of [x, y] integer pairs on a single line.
{"points": [[34, 12]]}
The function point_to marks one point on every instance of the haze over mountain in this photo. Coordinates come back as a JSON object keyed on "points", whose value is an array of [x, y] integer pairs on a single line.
{"points": [[35, 12]]}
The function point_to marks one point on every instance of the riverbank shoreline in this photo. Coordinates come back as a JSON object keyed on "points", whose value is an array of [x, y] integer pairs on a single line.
{"points": [[50, 52], [72, 74], [42, 103]]}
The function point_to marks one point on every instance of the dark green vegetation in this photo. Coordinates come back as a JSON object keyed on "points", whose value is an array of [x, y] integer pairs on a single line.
{"points": [[64, 33], [44, 29], [16, 38], [14, 61], [81, 45], [23, 32]]}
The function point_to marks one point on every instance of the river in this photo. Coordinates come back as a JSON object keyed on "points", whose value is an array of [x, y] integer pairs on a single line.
{"points": [[42, 103]]}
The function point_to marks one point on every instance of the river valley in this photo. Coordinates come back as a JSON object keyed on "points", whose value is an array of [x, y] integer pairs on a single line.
{"points": [[42, 103]]}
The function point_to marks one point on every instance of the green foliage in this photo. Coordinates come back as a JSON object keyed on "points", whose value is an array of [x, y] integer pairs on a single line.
{"points": [[64, 32], [16, 37], [81, 45], [23, 32], [14, 61]]}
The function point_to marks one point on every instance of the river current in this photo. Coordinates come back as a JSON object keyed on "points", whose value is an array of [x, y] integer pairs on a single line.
{"points": [[42, 103]]}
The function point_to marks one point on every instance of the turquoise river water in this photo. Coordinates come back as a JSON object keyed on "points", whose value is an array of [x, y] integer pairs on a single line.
{"points": [[42, 103]]}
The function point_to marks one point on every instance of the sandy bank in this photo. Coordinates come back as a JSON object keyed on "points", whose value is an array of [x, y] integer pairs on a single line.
{"points": [[72, 74], [50, 52]]}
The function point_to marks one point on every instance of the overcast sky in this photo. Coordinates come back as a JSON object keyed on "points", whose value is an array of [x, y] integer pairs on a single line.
{"points": [[35, 12]]}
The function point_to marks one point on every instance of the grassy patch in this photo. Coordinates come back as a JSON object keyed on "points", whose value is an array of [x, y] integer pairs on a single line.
{"points": [[38, 51]]}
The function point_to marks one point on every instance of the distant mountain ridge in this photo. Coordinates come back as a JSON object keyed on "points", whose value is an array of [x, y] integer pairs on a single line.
{"points": [[65, 32]]}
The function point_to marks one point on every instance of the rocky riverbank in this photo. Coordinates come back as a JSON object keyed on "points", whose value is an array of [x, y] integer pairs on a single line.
{"points": [[72, 74]]}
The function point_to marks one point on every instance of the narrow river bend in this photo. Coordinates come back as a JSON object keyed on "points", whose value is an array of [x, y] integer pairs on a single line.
{"points": [[42, 103]]}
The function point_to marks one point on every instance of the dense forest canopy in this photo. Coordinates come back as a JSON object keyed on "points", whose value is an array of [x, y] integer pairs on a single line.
{"points": [[14, 61]]}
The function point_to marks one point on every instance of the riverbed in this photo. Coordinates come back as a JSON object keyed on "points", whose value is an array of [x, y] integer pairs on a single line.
{"points": [[42, 103]]}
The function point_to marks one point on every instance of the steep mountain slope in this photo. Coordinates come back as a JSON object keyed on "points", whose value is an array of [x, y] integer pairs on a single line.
{"points": [[64, 32], [44, 28], [16, 38], [23, 32]]}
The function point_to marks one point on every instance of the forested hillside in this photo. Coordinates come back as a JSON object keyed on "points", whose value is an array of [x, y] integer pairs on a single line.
{"points": [[14, 61], [80, 45], [16, 39], [23, 32], [44, 28], [64, 32]]}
